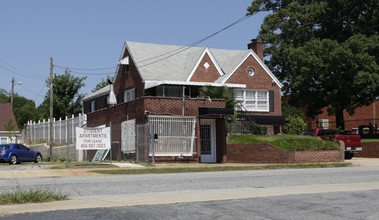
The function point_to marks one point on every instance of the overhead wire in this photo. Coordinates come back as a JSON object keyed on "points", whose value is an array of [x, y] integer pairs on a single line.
{"points": [[82, 73], [90, 69], [165, 55], [181, 49], [18, 71]]}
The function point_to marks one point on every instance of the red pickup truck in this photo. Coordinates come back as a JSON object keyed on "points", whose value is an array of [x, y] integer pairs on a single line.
{"points": [[352, 142]]}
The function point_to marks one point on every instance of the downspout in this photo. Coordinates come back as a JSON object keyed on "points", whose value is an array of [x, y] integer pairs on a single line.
{"points": [[183, 104]]}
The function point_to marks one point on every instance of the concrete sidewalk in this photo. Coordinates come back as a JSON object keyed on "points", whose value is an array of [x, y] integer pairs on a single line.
{"points": [[86, 171], [46, 172]]}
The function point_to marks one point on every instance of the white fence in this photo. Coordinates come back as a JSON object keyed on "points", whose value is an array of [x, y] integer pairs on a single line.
{"points": [[63, 130]]}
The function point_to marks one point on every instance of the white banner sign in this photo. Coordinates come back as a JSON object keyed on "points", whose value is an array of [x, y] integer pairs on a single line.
{"points": [[93, 138]]}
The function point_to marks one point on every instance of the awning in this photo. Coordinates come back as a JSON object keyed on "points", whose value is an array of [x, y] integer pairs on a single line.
{"points": [[264, 119], [152, 83], [203, 111], [124, 61]]}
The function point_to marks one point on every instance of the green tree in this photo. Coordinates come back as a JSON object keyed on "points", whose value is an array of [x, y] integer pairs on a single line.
{"points": [[66, 97], [4, 96], [102, 84], [220, 93], [24, 109], [325, 52]]}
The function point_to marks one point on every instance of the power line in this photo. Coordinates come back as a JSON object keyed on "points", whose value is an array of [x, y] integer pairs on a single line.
{"points": [[181, 49], [32, 91], [90, 69], [165, 55], [81, 73], [19, 71]]}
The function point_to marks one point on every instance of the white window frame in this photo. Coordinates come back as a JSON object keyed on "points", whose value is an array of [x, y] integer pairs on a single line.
{"points": [[252, 102], [131, 93], [93, 106], [2, 140]]}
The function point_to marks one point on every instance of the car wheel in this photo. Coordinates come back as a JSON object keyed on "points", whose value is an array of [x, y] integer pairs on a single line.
{"points": [[38, 159], [13, 160], [348, 155]]}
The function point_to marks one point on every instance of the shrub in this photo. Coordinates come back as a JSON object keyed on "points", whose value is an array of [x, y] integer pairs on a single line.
{"points": [[294, 125], [258, 129]]}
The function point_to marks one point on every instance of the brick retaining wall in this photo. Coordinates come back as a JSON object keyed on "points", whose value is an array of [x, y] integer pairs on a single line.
{"points": [[370, 150], [266, 153]]}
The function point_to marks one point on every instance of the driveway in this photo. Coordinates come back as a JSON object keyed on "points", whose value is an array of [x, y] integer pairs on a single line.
{"points": [[364, 162]]}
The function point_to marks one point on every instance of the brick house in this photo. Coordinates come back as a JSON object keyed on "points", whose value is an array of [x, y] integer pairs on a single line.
{"points": [[365, 117], [158, 85], [6, 113]]}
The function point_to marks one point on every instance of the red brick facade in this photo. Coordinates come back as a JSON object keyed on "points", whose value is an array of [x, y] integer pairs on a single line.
{"points": [[363, 116], [259, 81], [157, 106], [203, 74]]}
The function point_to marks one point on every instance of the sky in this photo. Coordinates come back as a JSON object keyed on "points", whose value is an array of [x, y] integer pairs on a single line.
{"points": [[90, 34]]}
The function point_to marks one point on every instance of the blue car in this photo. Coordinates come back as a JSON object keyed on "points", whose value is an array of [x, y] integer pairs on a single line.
{"points": [[17, 153]]}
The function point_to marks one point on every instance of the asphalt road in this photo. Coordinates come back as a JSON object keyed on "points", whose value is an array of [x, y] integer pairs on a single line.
{"points": [[321, 193], [116, 185], [336, 206]]}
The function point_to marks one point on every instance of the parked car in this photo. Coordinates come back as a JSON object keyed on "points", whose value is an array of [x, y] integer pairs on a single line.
{"points": [[17, 153], [352, 142]]}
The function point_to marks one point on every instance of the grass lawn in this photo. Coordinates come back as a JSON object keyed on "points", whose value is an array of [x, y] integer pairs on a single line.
{"points": [[286, 142], [30, 196], [369, 140]]}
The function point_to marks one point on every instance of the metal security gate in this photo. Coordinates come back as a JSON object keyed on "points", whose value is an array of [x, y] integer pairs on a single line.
{"points": [[143, 142], [176, 135]]}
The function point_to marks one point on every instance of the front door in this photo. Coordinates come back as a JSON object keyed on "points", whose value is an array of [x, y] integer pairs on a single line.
{"points": [[208, 140]]}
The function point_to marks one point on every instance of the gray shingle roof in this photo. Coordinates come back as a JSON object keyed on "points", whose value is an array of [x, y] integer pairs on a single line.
{"points": [[103, 91], [175, 63]]}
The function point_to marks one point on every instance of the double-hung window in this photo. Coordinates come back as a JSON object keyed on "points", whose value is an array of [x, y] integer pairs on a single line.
{"points": [[252, 100], [93, 106], [129, 95]]}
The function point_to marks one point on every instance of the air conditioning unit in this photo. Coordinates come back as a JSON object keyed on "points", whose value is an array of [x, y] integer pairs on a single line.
{"points": [[323, 123]]}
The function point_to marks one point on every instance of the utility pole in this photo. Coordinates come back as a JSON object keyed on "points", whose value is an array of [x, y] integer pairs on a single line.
{"points": [[12, 93], [51, 108]]}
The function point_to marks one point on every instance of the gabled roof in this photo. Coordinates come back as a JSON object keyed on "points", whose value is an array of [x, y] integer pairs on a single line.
{"points": [[255, 56], [6, 113], [103, 91], [156, 62]]}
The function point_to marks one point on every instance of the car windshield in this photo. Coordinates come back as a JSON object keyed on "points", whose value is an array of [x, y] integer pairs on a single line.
{"points": [[306, 132], [5, 147]]}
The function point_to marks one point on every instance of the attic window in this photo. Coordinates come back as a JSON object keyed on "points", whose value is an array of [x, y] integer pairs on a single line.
{"points": [[206, 65], [251, 71]]}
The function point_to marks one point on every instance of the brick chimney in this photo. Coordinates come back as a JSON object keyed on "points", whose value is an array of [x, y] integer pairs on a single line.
{"points": [[257, 46]]}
